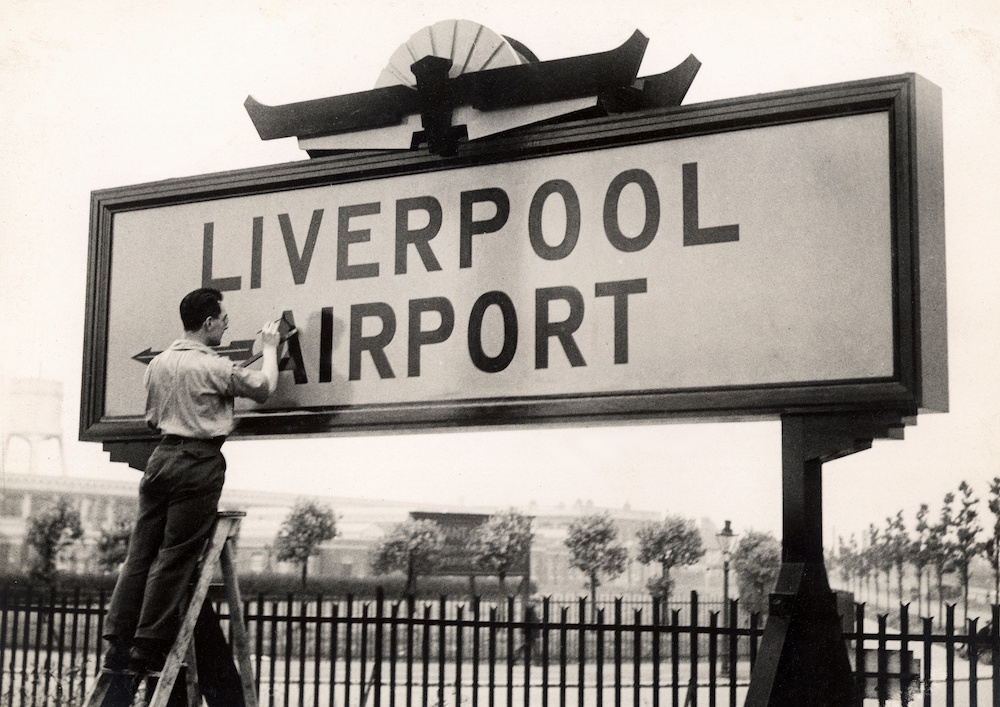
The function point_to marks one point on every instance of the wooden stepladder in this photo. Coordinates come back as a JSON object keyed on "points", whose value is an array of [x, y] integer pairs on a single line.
{"points": [[114, 689]]}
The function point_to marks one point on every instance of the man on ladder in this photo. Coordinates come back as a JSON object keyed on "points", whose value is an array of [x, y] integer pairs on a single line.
{"points": [[190, 396]]}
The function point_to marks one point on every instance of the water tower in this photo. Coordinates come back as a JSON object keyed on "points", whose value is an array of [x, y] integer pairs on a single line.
{"points": [[31, 427]]}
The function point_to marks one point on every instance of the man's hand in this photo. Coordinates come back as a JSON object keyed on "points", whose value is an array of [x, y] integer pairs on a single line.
{"points": [[270, 336]]}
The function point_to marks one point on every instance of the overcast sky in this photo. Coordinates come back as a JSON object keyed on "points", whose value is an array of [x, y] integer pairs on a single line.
{"points": [[103, 94]]}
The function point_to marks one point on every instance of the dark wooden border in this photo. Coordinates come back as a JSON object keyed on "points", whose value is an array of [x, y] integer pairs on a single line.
{"points": [[920, 377]]}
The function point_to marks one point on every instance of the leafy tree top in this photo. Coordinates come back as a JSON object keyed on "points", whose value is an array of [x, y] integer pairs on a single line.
{"points": [[51, 531], [967, 528], [413, 545], [673, 542], [308, 525], [992, 544], [112, 543], [502, 541], [757, 559], [594, 549]]}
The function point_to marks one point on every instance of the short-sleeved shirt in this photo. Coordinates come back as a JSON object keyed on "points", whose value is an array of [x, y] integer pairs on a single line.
{"points": [[191, 389]]}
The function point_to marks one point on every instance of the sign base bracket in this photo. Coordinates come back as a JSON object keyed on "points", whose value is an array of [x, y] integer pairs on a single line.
{"points": [[803, 659]]}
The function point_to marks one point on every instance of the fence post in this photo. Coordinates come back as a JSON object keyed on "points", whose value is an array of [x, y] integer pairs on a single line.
{"points": [[950, 655], [563, 650], [618, 650], [713, 658], [475, 652], [973, 648], [492, 655], [348, 647], [376, 678], [581, 650], [734, 618], [675, 656], [882, 661], [442, 616], [656, 653], [905, 670], [995, 648], [459, 616], [693, 653], [928, 637]]}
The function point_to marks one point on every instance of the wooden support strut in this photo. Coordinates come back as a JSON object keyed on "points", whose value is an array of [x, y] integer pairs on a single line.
{"points": [[112, 689], [803, 659]]}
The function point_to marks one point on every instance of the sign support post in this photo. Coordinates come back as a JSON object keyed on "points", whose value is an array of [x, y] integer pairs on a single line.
{"points": [[803, 659]]}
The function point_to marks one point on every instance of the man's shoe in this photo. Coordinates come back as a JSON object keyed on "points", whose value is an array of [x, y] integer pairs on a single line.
{"points": [[117, 658], [146, 658]]}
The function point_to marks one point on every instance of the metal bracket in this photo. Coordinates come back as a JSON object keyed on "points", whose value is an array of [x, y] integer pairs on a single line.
{"points": [[803, 659]]}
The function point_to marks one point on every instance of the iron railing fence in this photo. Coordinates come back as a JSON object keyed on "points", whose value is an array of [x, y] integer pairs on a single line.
{"points": [[346, 651]]}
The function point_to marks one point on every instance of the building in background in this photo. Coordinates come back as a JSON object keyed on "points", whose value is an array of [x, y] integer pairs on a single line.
{"points": [[33, 475]]}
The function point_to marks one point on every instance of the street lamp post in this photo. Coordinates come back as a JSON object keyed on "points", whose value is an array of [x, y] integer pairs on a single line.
{"points": [[725, 539]]}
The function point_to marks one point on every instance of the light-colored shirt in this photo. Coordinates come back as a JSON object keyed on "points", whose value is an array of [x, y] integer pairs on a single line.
{"points": [[191, 389]]}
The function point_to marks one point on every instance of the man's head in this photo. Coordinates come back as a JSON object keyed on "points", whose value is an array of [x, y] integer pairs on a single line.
{"points": [[204, 315]]}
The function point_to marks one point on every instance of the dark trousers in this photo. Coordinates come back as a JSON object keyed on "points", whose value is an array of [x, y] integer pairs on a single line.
{"points": [[178, 500]]}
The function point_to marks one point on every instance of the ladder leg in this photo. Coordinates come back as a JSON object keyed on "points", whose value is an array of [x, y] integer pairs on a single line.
{"points": [[241, 642], [168, 676], [193, 682], [113, 690]]}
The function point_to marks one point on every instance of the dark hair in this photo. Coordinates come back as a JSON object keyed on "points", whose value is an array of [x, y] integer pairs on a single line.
{"points": [[198, 306]]}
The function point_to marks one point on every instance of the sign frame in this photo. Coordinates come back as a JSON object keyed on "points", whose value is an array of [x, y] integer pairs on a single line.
{"points": [[919, 380]]}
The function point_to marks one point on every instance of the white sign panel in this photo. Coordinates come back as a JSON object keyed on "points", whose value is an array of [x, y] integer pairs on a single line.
{"points": [[763, 258]]}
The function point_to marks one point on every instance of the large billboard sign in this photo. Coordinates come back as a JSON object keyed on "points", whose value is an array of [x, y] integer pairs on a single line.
{"points": [[741, 258]]}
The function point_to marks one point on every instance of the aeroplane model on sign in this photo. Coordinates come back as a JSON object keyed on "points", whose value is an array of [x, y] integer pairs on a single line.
{"points": [[456, 81]]}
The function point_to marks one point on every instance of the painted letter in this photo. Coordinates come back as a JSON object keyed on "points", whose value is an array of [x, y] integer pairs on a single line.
{"points": [[563, 330], [479, 358], [571, 202], [294, 358], [224, 284], [620, 290], [651, 197], [469, 228], [256, 255], [693, 235], [326, 344], [418, 337], [345, 237], [376, 344], [420, 237], [300, 263]]}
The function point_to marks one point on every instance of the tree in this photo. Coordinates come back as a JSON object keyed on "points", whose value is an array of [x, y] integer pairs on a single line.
{"points": [[897, 549], [920, 554], [966, 547], [756, 561], [882, 557], [413, 547], [112, 543], [673, 542], [51, 532], [992, 544], [307, 526], [875, 557], [864, 568], [594, 550], [847, 561], [939, 546], [501, 542]]}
